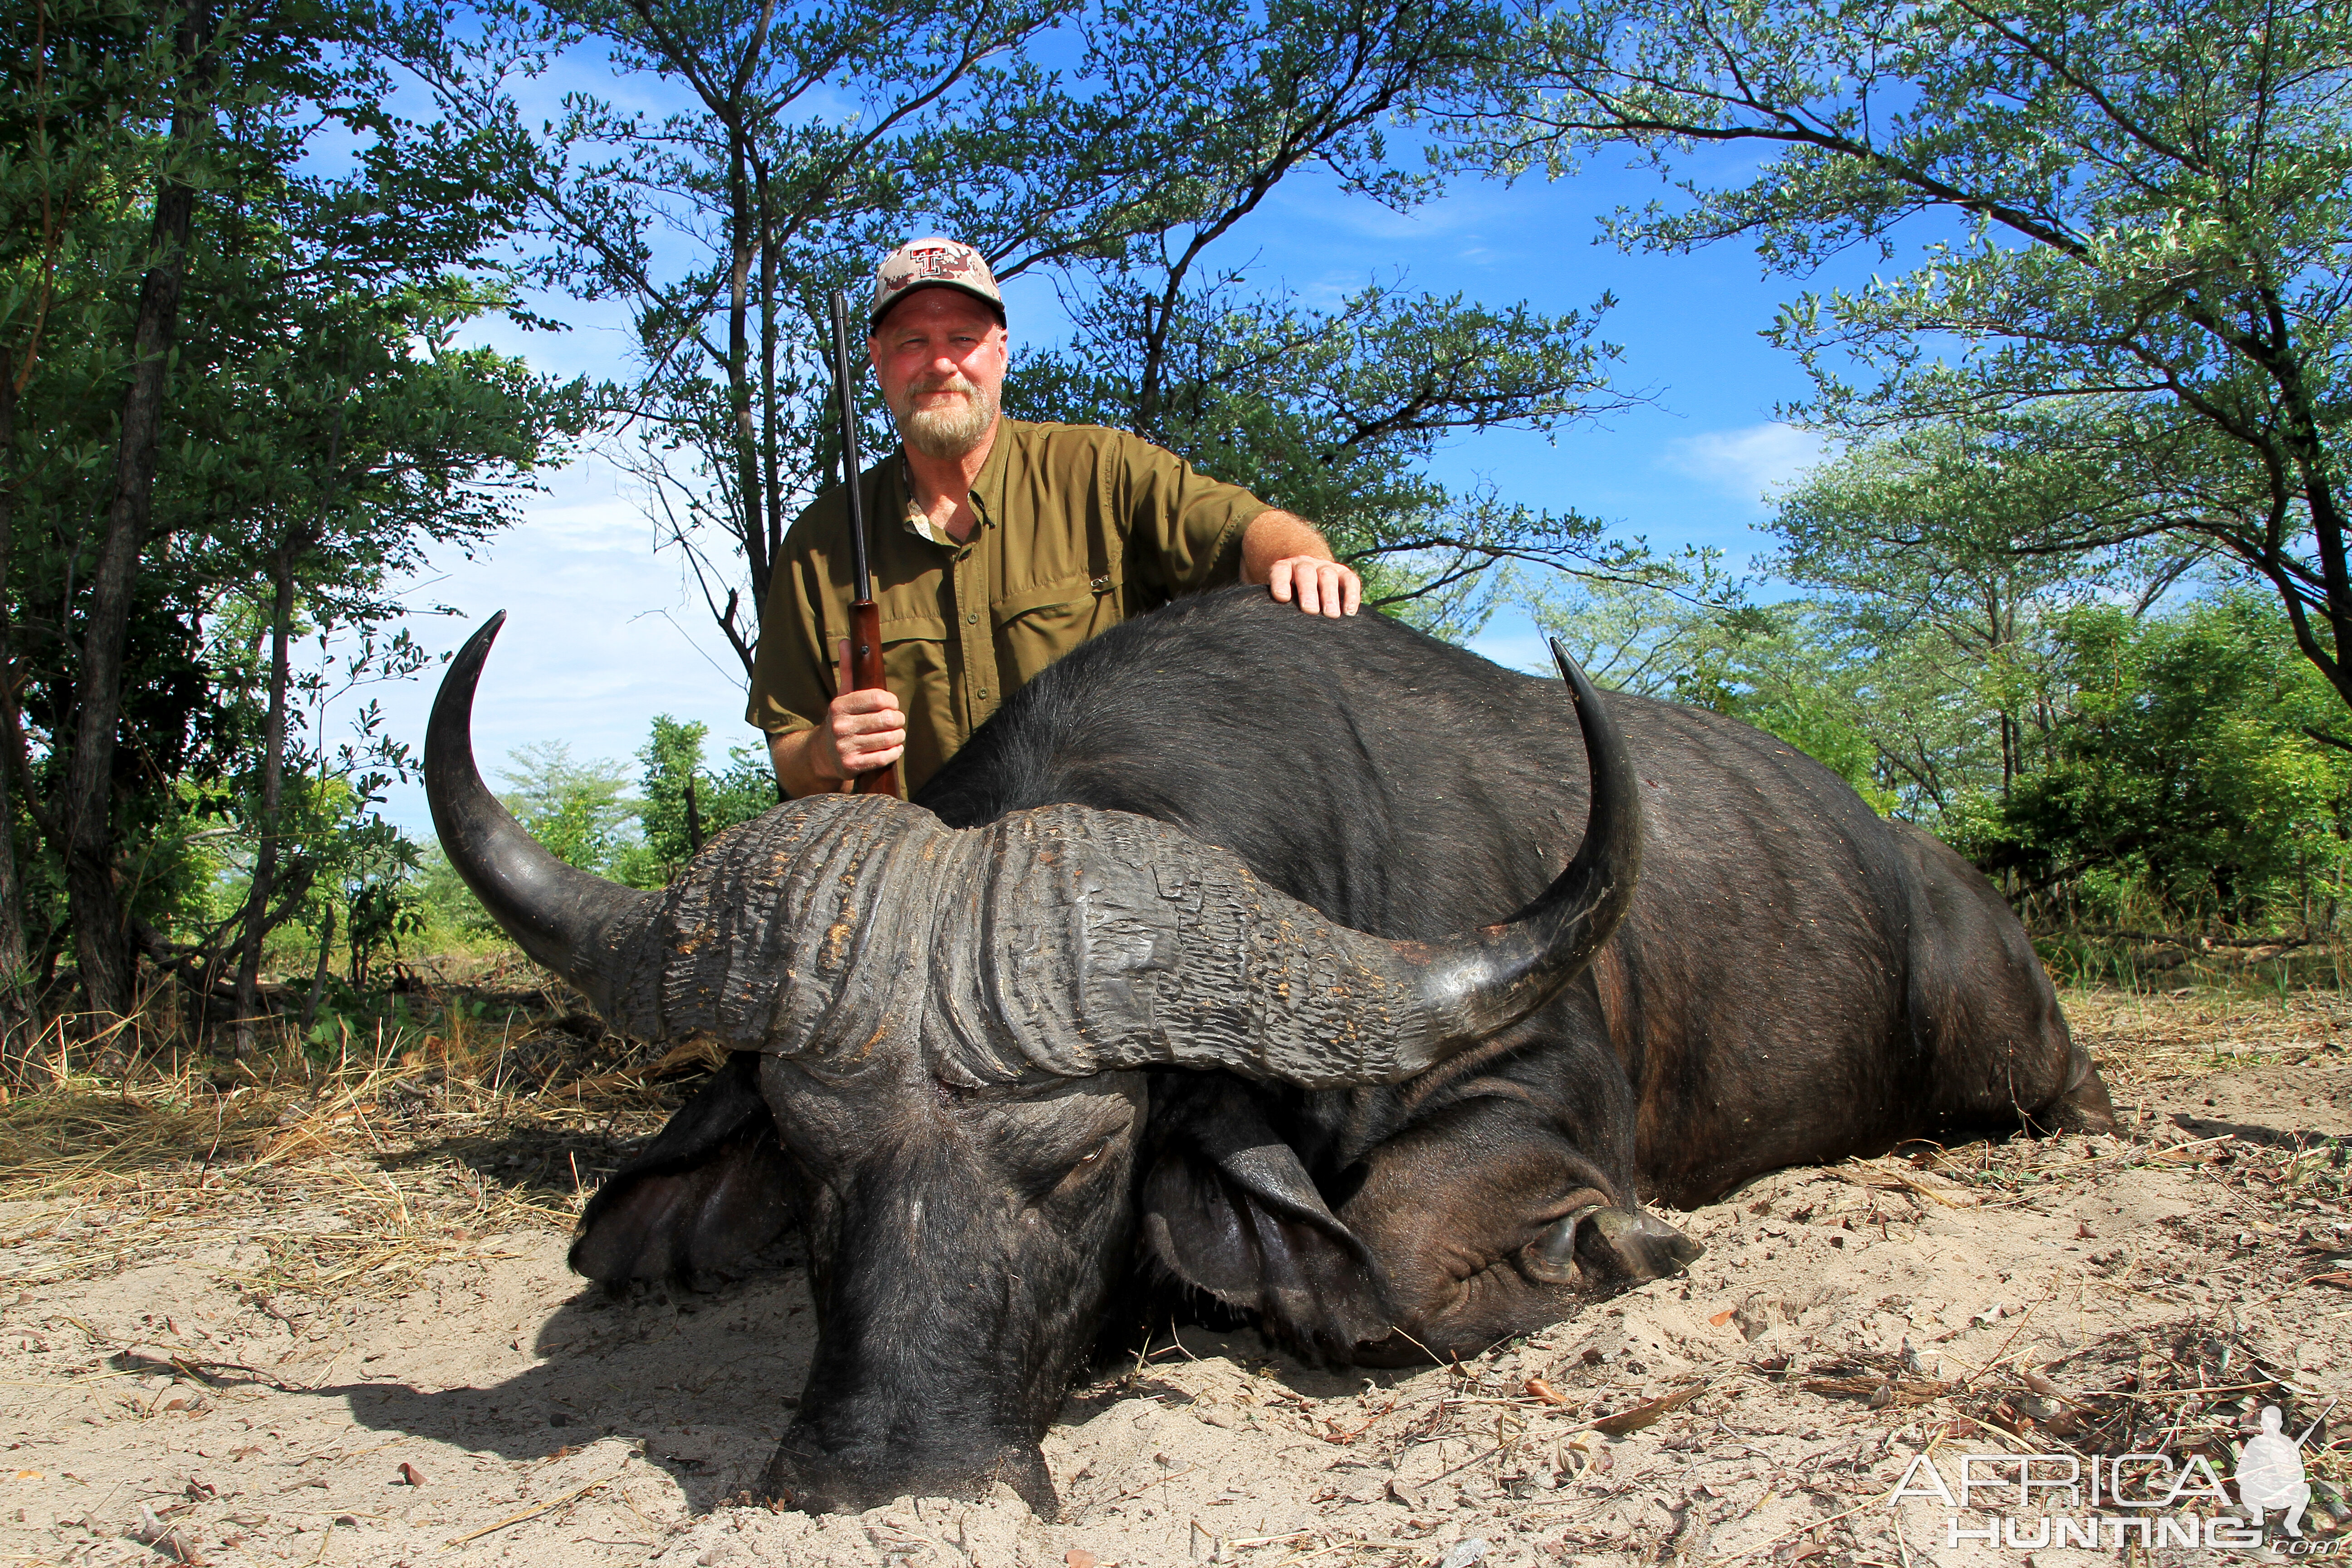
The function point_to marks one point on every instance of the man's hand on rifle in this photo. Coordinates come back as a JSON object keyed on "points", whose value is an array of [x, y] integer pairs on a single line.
{"points": [[862, 730]]}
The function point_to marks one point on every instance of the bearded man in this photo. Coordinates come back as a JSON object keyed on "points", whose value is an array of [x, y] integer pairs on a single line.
{"points": [[999, 544]]}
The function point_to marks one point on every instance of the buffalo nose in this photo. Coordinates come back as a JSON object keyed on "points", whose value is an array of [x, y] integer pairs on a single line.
{"points": [[811, 1479], [1602, 1248], [1644, 1246]]}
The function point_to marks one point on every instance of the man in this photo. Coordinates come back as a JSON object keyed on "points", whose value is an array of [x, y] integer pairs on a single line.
{"points": [[996, 545]]}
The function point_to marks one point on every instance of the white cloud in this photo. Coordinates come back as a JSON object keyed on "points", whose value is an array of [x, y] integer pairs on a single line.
{"points": [[1748, 464], [601, 634]]}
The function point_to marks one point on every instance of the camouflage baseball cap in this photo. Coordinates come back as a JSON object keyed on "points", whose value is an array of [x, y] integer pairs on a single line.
{"points": [[937, 262]]}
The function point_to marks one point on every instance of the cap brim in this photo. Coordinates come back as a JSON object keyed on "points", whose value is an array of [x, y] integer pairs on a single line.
{"points": [[874, 322]]}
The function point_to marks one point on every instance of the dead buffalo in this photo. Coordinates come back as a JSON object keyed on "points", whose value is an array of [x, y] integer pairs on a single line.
{"points": [[1183, 972]]}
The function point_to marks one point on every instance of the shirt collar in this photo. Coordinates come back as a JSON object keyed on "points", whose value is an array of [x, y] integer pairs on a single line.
{"points": [[986, 486]]}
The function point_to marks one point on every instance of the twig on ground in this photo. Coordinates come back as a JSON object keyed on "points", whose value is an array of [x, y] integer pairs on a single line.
{"points": [[575, 1495]]}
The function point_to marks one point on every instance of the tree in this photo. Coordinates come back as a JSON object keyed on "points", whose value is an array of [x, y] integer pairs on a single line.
{"points": [[1334, 415], [93, 60], [1121, 170], [2177, 775], [581, 811], [1331, 413], [2133, 214], [1788, 668], [685, 806], [231, 381], [1914, 539], [723, 225]]}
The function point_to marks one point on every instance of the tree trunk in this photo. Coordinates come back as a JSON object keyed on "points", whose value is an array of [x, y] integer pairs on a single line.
{"points": [[102, 941], [747, 478], [15, 1013], [273, 776], [318, 975], [772, 541]]}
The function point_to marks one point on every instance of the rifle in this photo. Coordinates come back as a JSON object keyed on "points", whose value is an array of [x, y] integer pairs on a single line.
{"points": [[862, 670]]}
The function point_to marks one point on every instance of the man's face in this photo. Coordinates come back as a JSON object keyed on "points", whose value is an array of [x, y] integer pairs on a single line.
{"points": [[940, 358]]}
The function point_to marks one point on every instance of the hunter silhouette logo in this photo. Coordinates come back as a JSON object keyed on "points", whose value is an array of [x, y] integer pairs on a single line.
{"points": [[2270, 1474], [2023, 1502]]}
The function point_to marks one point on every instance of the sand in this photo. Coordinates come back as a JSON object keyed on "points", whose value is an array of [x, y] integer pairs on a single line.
{"points": [[174, 1387]]}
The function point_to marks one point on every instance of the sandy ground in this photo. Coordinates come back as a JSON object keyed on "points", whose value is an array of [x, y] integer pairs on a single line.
{"points": [[173, 1388]]}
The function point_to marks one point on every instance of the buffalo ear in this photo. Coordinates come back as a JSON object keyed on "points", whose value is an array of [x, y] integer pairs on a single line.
{"points": [[709, 1192], [1228, 1208]]}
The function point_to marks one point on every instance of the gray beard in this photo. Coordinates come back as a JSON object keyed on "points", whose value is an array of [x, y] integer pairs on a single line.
{"points": [[949, 433]]}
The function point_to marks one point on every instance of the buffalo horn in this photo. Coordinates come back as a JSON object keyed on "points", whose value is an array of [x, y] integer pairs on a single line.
{"points": [[1485, 981], [1166, 951], [567, 919]]}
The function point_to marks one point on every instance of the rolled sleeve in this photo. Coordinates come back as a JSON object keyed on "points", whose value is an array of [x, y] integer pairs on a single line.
{"points": [[791, 685]]}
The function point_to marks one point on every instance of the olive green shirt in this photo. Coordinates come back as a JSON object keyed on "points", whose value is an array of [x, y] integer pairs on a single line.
{"points": [[1080, 527]]}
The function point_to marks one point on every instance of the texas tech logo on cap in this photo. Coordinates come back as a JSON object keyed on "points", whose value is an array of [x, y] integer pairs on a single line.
{"points": [[936, 262]]}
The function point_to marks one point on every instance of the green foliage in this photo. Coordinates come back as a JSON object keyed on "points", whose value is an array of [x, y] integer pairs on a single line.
{"points": [[2183, 766], [579, 811], [2166, 766], [1771, 666], [321, 427], [1335, 414], [584, 813], [453, 917], [380, 911], [2129, 284], [1910, 540], [1820, 724], [674, 831]]}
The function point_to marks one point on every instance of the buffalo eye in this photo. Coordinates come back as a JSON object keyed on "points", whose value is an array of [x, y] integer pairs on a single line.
{"points": [[1084, 1165]]}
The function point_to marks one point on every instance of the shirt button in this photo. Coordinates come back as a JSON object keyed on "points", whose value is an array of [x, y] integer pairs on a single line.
{"points": [[972, 616], [983, 694]]}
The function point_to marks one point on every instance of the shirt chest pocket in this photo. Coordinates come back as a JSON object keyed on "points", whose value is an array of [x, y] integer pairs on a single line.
{"points": [[1036, 624], [914, 653]]}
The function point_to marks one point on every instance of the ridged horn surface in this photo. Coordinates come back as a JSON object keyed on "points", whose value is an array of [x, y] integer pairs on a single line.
{"points": [[1110, 940], [1065, 939]]}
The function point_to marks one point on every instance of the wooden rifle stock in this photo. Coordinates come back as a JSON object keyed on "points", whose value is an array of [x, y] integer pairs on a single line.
{"points": [[862, 670]]}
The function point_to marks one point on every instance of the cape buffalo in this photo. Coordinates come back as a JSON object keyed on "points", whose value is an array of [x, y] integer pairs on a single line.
{"points": [[1181, 970]]}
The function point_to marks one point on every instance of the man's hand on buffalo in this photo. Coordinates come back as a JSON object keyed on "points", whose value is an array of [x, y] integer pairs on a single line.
{"points": [[1291, 557], [862, 730]]}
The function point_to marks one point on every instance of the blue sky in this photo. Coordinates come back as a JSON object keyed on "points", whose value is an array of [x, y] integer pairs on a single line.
{"points": [[603, 633]]}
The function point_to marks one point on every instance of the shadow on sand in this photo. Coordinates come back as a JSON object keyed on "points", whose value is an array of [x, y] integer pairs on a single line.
{"points": [[705, 1384]]}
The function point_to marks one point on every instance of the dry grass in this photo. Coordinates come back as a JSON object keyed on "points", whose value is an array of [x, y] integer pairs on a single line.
{"points": [[2152, 1036], [416, 1147]]}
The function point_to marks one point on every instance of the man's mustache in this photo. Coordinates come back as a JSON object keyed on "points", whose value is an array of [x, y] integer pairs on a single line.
{"points": [[948, 383]]}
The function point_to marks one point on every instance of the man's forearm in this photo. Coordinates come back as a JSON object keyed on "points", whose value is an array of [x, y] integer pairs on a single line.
{"points": [[1276, 535], [795, 765]]}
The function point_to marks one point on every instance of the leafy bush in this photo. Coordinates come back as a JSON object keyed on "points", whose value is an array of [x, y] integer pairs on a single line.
{"points": [[2184, 766], [686, 806]]}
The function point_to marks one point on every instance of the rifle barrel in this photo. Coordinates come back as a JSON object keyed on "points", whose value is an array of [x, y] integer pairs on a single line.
{"points": [[853, 462], [865, 663]]}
